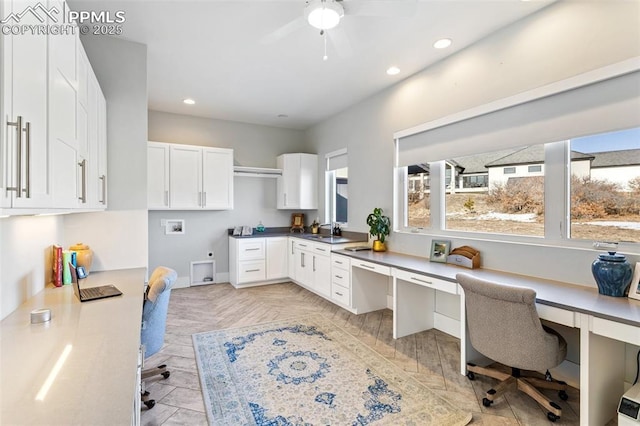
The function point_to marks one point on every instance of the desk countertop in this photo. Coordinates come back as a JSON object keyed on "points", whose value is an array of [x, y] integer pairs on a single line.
{"points": [[97, 382], [553, 293]]}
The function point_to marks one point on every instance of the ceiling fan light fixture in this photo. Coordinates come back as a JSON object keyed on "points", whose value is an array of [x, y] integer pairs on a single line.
{"points": [[324, 14]]}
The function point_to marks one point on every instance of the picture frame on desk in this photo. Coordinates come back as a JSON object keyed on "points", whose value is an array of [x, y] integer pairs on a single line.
{"points": [[634, 288], [439, 250]]}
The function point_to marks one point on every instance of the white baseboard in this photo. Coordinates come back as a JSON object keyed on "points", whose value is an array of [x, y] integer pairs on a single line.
{"points": [[447, 325]]}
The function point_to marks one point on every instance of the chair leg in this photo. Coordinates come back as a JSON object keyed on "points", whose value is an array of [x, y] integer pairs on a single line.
{"points": [[525, 386], [159, 370]]}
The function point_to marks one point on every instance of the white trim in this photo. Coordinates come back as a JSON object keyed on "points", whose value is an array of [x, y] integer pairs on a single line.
{"points": [[336, 153], [589, 77], [256, 172]]}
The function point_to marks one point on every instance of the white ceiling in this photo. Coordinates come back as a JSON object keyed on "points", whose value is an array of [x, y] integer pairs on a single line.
{"points": [[226, 54]]}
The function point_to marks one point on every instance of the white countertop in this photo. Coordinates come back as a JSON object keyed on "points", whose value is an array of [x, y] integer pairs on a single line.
{"points": [[96, 384]]}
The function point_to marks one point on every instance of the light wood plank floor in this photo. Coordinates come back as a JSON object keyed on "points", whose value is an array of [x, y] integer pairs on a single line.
{"points": [[432, 357]]}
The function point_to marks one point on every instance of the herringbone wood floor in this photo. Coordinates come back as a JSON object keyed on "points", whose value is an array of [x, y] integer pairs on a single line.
{"points": [[432, 357]]}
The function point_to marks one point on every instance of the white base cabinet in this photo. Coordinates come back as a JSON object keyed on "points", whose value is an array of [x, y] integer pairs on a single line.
{"points": [[255, 261], [313, 266]]}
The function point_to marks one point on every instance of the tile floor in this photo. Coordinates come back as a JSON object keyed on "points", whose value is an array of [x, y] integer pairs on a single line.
{"points": [[432, 357]]}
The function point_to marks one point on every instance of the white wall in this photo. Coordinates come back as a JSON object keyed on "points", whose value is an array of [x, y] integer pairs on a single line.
{"points": [[620, 175], [254, 198], [560, 41]]}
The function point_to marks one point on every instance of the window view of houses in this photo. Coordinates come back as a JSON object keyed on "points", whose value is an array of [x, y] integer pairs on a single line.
{"points": [[503, 191]]}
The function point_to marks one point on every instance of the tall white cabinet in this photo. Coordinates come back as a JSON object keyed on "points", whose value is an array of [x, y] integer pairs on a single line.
{"points": [[24, 165], [53, 139], [297, 187], [188, 177]]}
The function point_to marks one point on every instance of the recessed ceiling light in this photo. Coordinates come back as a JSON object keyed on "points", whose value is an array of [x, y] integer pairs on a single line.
{"points": [[283, 116], [442, 43], [189, 101], [393, 71]]}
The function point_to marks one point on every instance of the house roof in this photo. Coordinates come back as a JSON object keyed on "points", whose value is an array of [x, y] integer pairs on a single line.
{"points": [[532, 155], [476, 163], [627, 157]]}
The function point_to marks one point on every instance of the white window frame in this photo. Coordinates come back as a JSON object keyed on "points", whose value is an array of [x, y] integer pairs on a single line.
{"points": [[556, 166], [330, 187]]}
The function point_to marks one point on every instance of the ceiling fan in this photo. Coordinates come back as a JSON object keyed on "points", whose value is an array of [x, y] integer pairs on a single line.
{"points": [[326, 16]]}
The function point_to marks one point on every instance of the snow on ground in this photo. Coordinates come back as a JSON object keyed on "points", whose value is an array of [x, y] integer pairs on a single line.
{"points": [[624, 225], [525, 217]]}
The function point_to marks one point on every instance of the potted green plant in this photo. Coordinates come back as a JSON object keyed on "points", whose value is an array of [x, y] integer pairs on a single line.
{"points": [[380, 227]]}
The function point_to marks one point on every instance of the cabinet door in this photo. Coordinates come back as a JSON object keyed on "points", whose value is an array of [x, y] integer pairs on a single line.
{"points": [[322, 274], [292, 258], [157, 175], [102, 148], [288, 185], [185, 177], [217, 178], [308, 178], [25, 160], [93, 184], [277, 258], [303, 266]]}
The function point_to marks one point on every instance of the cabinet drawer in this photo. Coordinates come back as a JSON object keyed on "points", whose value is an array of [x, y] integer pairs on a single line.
{"points": [[251, 271], [340, 294], [322, 249], [340, 277], [302, 245], [370, 266], [615, 330], [557, 315], [251, 249], [426, 281], [341, 262]]}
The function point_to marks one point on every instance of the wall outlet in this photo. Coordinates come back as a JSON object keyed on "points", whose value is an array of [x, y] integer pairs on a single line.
{"points": [[210, 254]]}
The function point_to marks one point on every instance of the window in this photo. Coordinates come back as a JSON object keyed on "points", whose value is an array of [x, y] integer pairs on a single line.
{"points": [[508, 200], [605, 186], [534, 169], [418, 189], [337, 188]]}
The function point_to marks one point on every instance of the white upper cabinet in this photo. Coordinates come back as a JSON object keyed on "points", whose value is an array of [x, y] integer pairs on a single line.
{"points": [[297, 187], [187, 177], [157, 176], [24, 153]]}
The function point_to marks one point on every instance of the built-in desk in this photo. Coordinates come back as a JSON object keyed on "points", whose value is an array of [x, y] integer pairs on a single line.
{"points": [[97, 382], [605, 323]]}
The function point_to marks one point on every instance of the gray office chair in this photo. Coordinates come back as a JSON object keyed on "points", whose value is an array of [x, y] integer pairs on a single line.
{"points": [[504, 326], [154, 320]]}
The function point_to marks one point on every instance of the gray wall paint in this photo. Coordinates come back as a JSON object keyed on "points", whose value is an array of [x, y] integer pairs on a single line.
{"points": [[254, 198], [560, 41]]}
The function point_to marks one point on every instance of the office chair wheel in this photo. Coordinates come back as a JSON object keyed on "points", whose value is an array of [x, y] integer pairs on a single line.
{"points": [[487, 402], [563, 395], [150, 403], [471, 376], [552, 417], [166, 374]]}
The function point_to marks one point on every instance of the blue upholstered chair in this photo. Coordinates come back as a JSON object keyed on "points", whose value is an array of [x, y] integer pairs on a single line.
{"points": [[504, 326], [154, 321]]}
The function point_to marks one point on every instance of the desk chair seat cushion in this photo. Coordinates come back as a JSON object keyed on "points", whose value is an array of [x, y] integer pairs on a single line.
{"points": [[154, 311], [504, 325]]}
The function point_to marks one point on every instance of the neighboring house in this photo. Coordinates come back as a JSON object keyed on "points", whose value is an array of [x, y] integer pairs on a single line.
{"points": [[478, 173]]}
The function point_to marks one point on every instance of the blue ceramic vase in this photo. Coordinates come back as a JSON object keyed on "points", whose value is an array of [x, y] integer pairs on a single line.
{"points": [[612, 273]]}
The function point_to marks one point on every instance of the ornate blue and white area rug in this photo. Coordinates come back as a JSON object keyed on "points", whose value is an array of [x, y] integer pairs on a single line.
{"points": [[308, 371]]}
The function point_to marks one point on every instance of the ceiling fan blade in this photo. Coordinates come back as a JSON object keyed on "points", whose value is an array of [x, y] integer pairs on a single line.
{"points": [[284, 30], [381, 8], [340, 41]]}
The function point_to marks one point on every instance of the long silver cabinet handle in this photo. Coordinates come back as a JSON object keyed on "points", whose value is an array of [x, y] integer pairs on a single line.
{"points": [[166, 198], [314, 263], [367, 266], [252, 249], [252, 270], [339, 294], [204, 196], [103, 179], [422, 281], [27, 138], [83, 192], [18, 185]]}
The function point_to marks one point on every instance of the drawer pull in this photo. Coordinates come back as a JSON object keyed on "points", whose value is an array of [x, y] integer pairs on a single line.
{"points": [[321, 249], [252, 249], [338, 262], [367, 266], [302, 245], [422, 281], [339, 277], [252, 270], [339, 294]]}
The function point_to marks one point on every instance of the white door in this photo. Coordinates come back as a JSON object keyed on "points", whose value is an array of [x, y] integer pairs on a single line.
{"points": [[185, 177], [277, 258], [217, 178], [157, 175], [25, 149]]}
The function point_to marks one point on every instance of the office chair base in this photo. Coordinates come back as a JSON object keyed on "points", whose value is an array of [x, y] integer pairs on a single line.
{"points": [[160, 370], [525, 383]]}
